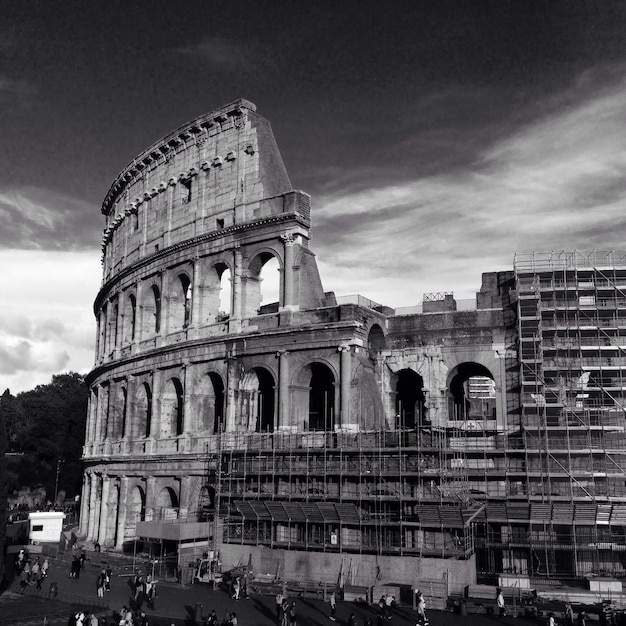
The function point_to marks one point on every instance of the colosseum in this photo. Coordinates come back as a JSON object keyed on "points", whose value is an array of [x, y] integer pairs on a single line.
{"points": [[317, 437]]}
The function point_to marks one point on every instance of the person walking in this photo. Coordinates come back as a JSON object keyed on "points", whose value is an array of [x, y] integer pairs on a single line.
{"points": [[333, 606], [100, 582], [421, 609], [569, 615], [279, 606], [500, 602], [292, 614]]}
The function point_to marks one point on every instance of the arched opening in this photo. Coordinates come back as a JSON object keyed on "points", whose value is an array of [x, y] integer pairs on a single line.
{"points": [[224, 307], [262, 286], [136, 507], [124, 411], [172, 403], [142, 419], [166, 504], [375, 341], [179, 313], [472, 393], [151, 313], [256, 400], [210, 402], [321, 398], [410, 401], [206, 502], [130, 318]]}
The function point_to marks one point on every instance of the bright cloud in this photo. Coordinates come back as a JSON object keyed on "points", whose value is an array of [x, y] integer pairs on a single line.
{"points": [[46, 320], [554, 184]]}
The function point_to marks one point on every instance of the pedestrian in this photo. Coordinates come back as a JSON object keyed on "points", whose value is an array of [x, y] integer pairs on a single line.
{"points": [[279, 606], [233, 619], [236, 588], [292, 614], [352, 620], [333, 606], [582, 619], [551, 621], [211, 619], [389, 602], [139, 587], [285, 613], [421, 609], [152, 595], [82, 558], [93, 620], [44, 567], [500, 602], [100, 583], [569, 615], [109, 573]]}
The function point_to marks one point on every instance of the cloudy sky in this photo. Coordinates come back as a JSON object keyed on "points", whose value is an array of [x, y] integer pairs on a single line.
{"points": [[436, 138]]}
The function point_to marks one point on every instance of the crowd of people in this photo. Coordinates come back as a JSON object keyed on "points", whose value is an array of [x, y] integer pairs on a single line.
{"points": [[30, 571]]}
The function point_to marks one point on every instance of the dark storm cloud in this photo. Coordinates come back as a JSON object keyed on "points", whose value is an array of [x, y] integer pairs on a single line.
{"points": [[34, 218]]}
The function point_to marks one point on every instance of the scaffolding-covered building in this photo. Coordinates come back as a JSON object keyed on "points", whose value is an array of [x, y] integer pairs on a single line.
{"points": [[319, 434]]}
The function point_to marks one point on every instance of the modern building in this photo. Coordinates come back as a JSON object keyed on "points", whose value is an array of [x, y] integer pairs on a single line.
{"points": [[319, 436]]}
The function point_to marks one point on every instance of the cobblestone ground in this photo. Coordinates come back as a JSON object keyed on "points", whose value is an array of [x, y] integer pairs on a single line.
{"points": [[179, 605]]}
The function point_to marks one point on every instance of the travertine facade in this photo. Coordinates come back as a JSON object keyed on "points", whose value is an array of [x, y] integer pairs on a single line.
{"points": [[304, 425]]}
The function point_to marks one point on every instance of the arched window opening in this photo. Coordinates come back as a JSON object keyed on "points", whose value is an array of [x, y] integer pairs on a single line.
{"points": [[142, 418], [262, 291], [225, 293], [156, 296], [375, 341], [124, 411], [136, 507], [172, 409], [179, 312], [114, 322], [206, 503], [133, 315], [472, 393], [209, 393], [410, 401], [218, 402], [256, 400], [270, 286], [167, 504], [321, 398]]}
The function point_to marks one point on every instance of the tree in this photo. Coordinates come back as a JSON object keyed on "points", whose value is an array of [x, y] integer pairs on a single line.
{"points": [[48, 426]]}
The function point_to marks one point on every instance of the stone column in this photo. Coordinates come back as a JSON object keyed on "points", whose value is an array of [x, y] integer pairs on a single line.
{"points": [[194, 322], [231, 383], [96, 504], [104, 510], [283, 390], [91, 521], [121, 515], [288, 303], [151, 486], [236, 295], [185, 497], [85, 498], [346, 376]]}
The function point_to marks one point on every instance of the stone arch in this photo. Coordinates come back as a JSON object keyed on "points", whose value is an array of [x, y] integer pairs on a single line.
{"points": [[166, 503], [471, 392], [130, 319], [180, 302], [151, 311], [257, 400], [171, 419], [142, 418], [376, 341], [410, 401], [255, 296], [224, 301], [210, 401], [136, 507], [318, 381]]}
